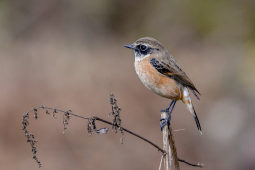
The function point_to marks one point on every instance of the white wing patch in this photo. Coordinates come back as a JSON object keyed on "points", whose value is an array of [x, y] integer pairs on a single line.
{"points": [[188, 99]]}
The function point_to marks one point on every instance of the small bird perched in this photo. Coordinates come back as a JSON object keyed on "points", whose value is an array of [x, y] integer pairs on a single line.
{"points": [[160, 73]]}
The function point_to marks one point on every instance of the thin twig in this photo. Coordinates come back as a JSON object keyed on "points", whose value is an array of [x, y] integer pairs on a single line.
{"points": [[161, 161], [105, 121], [132, 133], [196, 165], [178, 130]]}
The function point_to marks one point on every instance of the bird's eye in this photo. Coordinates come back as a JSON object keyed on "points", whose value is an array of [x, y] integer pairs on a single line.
{"points": [[143, 47]]}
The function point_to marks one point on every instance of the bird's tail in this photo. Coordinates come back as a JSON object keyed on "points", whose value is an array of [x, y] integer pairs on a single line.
{"points": [[187, 100]]}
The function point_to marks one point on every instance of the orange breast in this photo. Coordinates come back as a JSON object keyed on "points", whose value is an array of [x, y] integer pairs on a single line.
{"points": [[156, 82]]}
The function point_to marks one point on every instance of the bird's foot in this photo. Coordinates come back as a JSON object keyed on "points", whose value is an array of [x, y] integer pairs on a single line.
{"points": [[167, 120], [164, 122]]}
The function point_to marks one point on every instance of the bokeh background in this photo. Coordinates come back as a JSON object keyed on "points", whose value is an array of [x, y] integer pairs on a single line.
{"points": [[69, 54]]}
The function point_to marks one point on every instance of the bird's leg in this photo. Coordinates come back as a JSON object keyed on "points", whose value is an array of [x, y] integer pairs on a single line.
{"points": [[167, 109], [167, 120]]}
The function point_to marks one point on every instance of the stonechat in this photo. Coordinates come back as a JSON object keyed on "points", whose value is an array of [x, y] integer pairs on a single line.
{"points": [[160, 73]]}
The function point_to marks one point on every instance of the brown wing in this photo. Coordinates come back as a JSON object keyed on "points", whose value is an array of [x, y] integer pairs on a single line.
{"points": [[173, 71]]}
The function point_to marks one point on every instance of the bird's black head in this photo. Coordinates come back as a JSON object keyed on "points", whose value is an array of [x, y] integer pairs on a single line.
{"points": [[144, 47]]}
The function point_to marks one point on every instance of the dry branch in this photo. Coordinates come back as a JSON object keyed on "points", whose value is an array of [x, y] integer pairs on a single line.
{"points": [[116, 125], [168, 156]]}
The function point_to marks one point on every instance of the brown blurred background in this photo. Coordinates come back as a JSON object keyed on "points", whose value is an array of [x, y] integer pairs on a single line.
{"points": [[69, 54]]}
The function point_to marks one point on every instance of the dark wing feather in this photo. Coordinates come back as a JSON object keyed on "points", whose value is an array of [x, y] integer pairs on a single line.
{"points": [[174, 72]]}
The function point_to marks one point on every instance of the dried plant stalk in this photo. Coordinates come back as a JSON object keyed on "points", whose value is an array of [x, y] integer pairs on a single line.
{"points": [[169, 146], [168, 155]]}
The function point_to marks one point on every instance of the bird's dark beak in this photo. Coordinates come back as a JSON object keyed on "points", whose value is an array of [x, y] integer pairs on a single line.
{"points": [[129, 46]]}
